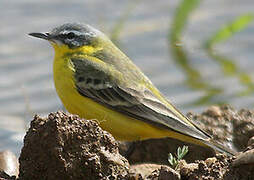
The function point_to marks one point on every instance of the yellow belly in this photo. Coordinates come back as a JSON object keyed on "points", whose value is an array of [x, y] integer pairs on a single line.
{"points": [[122, 127]]}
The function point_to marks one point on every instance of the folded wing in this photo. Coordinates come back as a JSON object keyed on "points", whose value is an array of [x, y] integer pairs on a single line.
{"points": [[98, 82]]}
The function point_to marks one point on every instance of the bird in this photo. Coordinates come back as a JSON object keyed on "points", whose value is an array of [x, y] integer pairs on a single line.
{"points": [[96, 80]]}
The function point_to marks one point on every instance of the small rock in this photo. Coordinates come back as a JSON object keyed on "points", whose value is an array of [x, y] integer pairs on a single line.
{"points": [[242, 167], [214, 111], [210, 161], [144, 169], [243, 128], [244, 158], [164, 173], [211, 168], [185, 168], [9, 163]]}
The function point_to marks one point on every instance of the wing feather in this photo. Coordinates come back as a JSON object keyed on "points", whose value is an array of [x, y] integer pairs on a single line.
{"points": [[141, 104]]}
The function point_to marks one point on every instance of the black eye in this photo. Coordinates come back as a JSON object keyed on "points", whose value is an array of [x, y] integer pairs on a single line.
{"points": [[70, 35]]}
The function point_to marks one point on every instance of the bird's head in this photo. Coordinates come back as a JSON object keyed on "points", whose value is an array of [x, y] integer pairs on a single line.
{"points": [[73, 36]]}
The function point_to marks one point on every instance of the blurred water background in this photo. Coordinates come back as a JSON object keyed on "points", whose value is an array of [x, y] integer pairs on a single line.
{"points": [[168, 40]]}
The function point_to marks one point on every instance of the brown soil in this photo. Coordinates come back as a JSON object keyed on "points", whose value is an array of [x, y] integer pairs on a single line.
{"points": [[66, 147], [63, 146]]}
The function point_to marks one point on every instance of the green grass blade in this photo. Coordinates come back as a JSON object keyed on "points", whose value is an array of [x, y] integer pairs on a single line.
{"points": [[194, 79], [230, 29], [181, 17]]}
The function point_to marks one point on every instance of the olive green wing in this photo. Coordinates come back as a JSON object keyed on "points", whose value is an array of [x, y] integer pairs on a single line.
{"points": [[105, 85]]}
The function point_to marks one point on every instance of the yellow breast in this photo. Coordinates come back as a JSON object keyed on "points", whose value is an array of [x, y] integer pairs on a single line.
{"points": [[122, 127]]}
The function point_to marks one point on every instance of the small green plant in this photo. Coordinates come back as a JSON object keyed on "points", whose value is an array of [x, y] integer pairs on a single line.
{"points": [[181, 152]]}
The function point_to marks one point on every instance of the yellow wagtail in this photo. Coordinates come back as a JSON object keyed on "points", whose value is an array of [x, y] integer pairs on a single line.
{"points": [[95, 80]]}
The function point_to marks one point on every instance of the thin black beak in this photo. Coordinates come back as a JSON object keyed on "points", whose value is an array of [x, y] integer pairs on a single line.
{"points": [[45, 36]]}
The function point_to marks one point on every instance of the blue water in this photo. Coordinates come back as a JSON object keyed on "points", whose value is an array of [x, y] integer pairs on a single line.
{"points": [[26, 85]]}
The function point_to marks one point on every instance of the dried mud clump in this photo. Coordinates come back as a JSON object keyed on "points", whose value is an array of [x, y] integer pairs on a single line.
{"points": [[153, 172], [220, 167], [64, 146], [228, 126], [211, 168], [164, 173]]}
